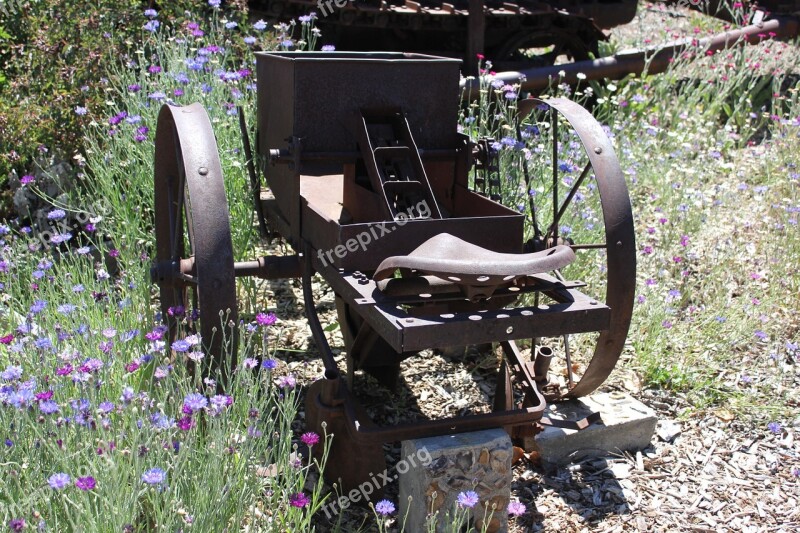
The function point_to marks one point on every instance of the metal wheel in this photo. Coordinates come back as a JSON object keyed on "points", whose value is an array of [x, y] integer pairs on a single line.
{"points": [[572, 187], [194, 253], [540, 49]]}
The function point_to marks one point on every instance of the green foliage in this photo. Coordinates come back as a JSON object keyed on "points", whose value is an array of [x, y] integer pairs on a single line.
{"points": [[55, 59]]}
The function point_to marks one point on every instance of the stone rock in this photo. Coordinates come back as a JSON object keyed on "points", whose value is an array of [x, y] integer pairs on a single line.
{"points": [[478, 461]]}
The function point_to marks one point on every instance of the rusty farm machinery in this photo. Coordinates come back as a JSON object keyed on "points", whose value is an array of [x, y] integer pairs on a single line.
{"points": [[369, 181]]}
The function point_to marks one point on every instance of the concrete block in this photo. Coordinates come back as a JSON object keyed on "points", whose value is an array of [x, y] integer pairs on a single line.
{"points": [[479, 461], [626, 424]]}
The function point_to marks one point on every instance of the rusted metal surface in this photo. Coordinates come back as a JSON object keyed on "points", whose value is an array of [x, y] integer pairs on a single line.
{"points": [[191, 222], [620, 239], [652, 61]]}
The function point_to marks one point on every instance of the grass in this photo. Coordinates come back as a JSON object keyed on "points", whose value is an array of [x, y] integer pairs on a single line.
{"points": [[90, 390]]}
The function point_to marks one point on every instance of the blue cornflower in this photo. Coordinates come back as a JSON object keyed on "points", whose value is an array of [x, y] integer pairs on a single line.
{"points": [[80, 110], [11, 373], [105, 407], [59, 481], [181, 77], [774, 427], [127, 395], [467, 499], [43, 343], [250, 40], [38, 306], [181, 345], [66, 309], [384, 507], [154, 476], [269, 364], [48, 407], [157, 95], [214, 3], [195, 64], [195, 402], [231, 25], [150, 13], [152, 26], [56, 214], [328, 48], [260, 25], [161, 421]]}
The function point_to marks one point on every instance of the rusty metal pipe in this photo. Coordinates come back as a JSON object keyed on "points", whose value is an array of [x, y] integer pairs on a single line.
{"points": [[331, 370], [652, 61], [270, 267], [541, 364]]}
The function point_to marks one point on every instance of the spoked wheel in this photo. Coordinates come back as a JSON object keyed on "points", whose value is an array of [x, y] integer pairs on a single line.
{"points": [[572, 187], [194, 253], [528, 49]]}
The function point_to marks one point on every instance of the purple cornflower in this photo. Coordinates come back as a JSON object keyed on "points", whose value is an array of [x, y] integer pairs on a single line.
{"points": [[384, 507], [27, 178], [134, 88], [774, 427], [59, 481], [195, 402], [219, 402], [287, 382], [154, 69], [17, 524], [310, 438], [85, 483], [127, 395], [249, 362], [266, 319], [516, 508], [760, 334], [467, 499], [186, 423], [154, 476], [299, 500]]}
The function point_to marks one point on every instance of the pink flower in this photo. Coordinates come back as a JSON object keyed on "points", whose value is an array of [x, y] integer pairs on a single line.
{"points": [[298, 500], [310, 438], [85, 483], [266, 319]]}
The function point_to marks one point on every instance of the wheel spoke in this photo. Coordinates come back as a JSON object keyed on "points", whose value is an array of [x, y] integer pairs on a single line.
{"points": [[553, 230], [554, 130], [594, 246]]}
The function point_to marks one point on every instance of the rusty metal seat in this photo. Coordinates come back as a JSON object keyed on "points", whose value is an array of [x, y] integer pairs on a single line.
{"points": [[464, 263]]}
